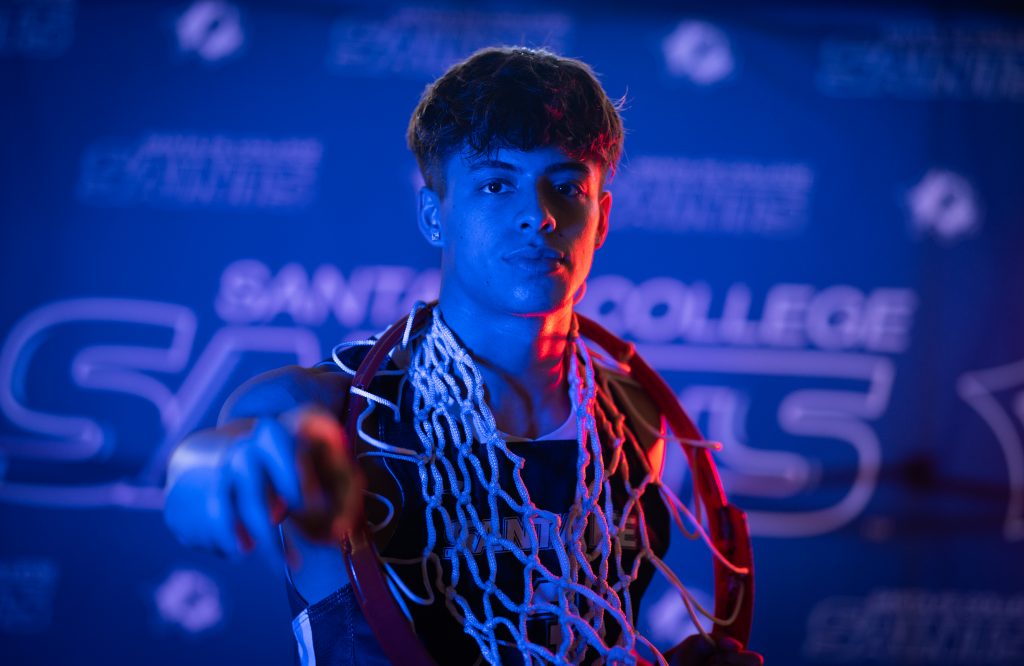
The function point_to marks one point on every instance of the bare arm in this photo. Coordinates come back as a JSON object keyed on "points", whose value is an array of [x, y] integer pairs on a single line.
{"points": [[274, 452]]}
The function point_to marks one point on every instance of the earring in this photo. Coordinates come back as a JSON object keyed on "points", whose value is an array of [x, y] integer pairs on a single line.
{"points": [[435, 235]]}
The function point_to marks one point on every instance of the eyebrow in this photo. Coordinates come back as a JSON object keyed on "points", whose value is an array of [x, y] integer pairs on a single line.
{"points": [[578, 167]]}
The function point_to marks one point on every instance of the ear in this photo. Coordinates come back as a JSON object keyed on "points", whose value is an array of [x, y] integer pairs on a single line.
{"points": [[429, 216], [604, 204]]}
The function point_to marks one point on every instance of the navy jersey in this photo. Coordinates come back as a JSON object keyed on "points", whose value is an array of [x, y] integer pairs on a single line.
{"points": [[333, 631]]}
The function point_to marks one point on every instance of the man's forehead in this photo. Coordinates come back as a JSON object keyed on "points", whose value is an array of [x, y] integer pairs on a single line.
{"points": [[547, 159]]}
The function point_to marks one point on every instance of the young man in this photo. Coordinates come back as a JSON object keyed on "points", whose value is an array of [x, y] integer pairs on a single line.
{"points": [[494, 443]]}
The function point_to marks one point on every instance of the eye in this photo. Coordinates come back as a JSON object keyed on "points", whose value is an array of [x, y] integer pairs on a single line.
{"points": [[495, 187], [570, 189]]}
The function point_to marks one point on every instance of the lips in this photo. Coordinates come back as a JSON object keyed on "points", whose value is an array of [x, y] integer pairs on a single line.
{"points": [[537, 260], [531, 253]]}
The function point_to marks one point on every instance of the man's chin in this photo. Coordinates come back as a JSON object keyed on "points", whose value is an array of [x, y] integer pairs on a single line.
{"points": [[539, 305]]}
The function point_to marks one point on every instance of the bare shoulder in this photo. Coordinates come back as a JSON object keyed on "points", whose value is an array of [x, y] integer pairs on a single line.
{"points": [[285, 388]]}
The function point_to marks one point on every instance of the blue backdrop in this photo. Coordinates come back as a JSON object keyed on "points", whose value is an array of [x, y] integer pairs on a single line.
{"points": [[817, 236]]}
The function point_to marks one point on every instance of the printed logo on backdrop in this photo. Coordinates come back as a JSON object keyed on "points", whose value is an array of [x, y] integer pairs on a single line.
{"points": [[666, 621], [201, 171], [421, 42], [369, 299], [210, 30], [37, 28], [96, 392], [944, 206], [907, 626], [699, 52], [997, 395], [27, 591], [925, 61], [705, 196], [190, 601], [821, 358]]}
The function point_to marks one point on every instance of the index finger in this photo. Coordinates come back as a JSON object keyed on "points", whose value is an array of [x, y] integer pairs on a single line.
{"points": [[275, 446]]}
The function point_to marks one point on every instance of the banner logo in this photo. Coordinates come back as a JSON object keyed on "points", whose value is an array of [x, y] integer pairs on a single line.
{"points": [[901, 626], [37, 28], [926, 61], [69, 368], [374, 296], [666, 621], [190, 600], [211, 30], [698, 51], [27, 592], [201, 171], [820, 358], [997, 395], [705, 196], [420, 42], [943, 204]]}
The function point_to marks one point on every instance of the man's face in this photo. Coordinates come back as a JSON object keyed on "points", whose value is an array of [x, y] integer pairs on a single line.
{"points": [[518, 229]]}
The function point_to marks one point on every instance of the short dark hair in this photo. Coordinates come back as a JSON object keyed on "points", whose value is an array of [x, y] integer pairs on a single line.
{"points": [[514, 97]]}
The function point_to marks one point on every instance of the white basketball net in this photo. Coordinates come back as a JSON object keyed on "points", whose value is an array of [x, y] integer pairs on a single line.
{"points": [[451, 419]]}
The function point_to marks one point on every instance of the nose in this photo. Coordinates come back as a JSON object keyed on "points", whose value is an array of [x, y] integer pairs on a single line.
{"points": [[536, 213]]}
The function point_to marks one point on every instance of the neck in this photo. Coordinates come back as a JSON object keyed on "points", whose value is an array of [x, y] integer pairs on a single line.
{"points": [[522, 359]]}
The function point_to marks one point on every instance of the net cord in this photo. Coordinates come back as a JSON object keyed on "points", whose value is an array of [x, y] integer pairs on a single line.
{"points": [[451, 416]]}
